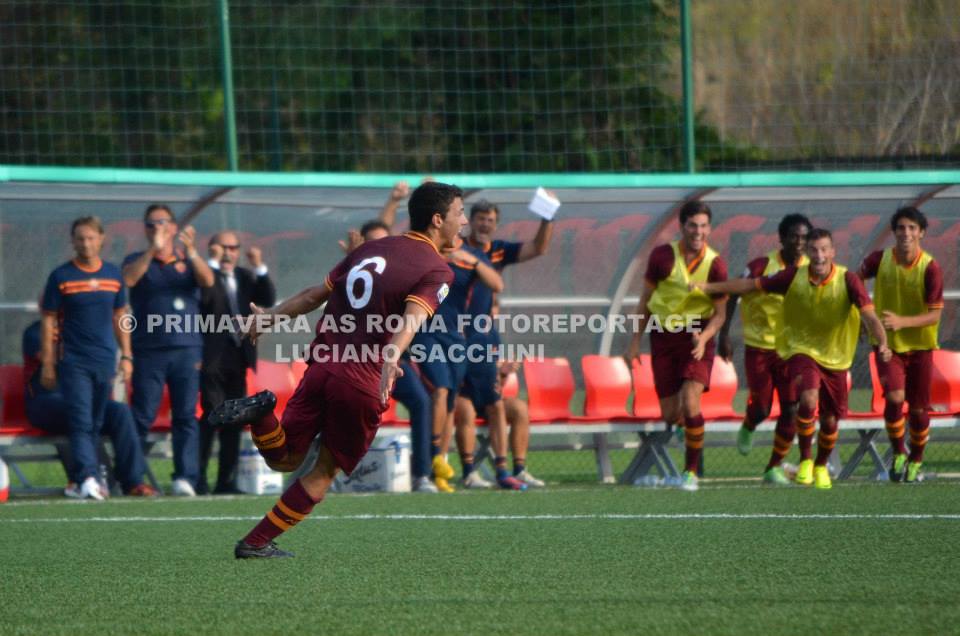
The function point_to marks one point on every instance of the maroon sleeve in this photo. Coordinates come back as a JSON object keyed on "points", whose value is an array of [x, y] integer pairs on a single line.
{"points": [[337, 272], [779, 283], [933, 284], [718, 271], [871, 265], [430, 290], [755, 267], [857, 291], [659, 264]]}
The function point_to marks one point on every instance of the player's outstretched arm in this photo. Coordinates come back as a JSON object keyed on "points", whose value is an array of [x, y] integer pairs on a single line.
{"points": [[413, 316], [302, 303], [738, 286]]}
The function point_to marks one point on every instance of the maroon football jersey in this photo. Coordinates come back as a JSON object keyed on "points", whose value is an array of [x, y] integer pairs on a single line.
{"points": [[369, 291]]}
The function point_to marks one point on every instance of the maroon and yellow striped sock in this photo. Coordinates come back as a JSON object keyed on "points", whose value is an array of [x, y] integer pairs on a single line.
{"points": [[269, 438], [805, 429], [919, 434], [693, 440], [826, 440], [782, 440], [292, 508], [893, 416]]}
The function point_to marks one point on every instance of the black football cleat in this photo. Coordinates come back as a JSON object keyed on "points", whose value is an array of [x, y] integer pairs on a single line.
{"points": [[243, 410], [244, 550]]}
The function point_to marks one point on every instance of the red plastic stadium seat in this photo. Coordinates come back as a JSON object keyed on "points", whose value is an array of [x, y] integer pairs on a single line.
{"points": [[876, 400], [11, 383], [511, 386], [607, 383], [298, 368], [273, 376], [717, 403], [390, 416], [944, 383], [646, 404], [549, 388]]}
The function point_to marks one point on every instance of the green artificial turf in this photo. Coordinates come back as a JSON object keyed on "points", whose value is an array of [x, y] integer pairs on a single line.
{"points": [[589, 560]]}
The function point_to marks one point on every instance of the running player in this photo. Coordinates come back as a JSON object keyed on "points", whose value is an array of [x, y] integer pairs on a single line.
{"points": [[762, 319], [818, 341], [909, 298], [681, 346], [339, 397]]}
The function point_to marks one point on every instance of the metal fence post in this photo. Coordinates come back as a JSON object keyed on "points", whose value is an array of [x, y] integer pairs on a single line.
{"points": [[229, 108]]}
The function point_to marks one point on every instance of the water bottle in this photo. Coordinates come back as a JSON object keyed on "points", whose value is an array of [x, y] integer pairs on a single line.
{"points": [[647, 481]]}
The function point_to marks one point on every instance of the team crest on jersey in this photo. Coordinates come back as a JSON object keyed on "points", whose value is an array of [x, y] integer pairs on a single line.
{"points": [[94, 283], [181, 267], [442, 292]]}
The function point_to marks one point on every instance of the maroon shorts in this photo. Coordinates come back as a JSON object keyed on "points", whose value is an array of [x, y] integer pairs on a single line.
{"points": [[673, 363], [912, 372], [805, 374], [346, 417], [766, 371]]}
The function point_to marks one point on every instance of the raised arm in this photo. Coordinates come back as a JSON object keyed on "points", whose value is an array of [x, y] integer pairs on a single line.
{"points": [[388, 215], [201, 270], [538, 246], [134, 270]]}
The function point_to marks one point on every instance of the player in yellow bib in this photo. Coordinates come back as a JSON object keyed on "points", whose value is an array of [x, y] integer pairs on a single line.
{"points": [[682, 323], [762, 319], [908, 294], [818, 340]]}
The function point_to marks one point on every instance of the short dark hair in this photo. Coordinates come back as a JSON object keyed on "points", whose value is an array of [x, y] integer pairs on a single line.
{"points": [[791, 220], [375, 224], [90, 221], [484, 206], [153, 207], [693, 208], [428, 199], [818, 233], [911, 214]]}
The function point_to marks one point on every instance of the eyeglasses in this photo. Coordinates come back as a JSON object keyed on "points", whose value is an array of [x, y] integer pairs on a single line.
{"points": [[156, 223], [230, 247]]}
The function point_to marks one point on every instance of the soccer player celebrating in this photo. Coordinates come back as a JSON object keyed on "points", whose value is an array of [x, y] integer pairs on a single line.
{"points": [[818, 340], [908, 295], [681, 347], [762, 320], [441, 372], [341, 396], [480, 384]]}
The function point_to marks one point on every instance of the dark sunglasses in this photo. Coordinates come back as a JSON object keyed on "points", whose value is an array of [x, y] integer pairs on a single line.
{"points": [[230, 247], [157, 223]]}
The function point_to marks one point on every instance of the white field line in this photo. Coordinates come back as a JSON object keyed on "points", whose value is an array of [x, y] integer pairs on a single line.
{"points": [[540, 517]]}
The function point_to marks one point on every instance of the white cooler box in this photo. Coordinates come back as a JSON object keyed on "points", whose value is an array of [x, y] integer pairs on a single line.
{"points": [[385, 468], [254, 477]]}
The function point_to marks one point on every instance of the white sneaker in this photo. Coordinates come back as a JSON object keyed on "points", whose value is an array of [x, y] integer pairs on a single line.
{"points": [[90, 489], [525, 476], [475, 481], [423, 484], [182, 488]]}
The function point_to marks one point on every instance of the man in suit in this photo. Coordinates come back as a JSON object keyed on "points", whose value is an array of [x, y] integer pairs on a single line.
{"points": [[226, 356]]}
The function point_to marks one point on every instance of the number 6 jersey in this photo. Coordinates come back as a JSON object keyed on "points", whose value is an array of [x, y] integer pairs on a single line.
{"points": [[369, 291]]}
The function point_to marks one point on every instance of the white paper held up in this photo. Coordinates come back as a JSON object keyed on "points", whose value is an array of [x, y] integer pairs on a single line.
{"points": [[544, 204]]}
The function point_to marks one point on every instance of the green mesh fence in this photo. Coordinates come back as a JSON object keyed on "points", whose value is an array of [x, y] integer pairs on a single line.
{"points": [[479, 87]]}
